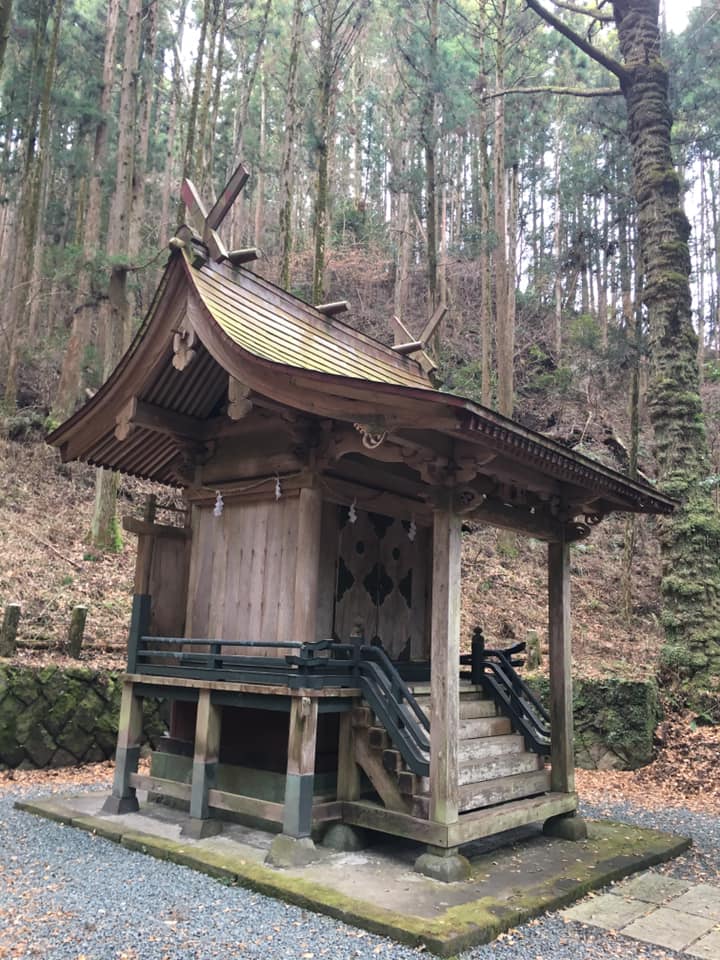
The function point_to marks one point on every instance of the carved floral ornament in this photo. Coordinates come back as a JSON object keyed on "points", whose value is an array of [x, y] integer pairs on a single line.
{"points": [[372, 435]]}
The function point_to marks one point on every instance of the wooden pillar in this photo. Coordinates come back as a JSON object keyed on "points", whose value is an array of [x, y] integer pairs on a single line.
{"points": [[307, 569], [348, 775], [204, 769], [123, 799], [445, 665], [561, 705], [299, 782]]}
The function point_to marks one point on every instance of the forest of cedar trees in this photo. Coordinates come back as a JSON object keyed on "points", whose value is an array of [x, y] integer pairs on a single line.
{"points": [[549, 171]]}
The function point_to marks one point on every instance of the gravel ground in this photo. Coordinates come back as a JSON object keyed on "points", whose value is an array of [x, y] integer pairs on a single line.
{"points": [[66, 895]]}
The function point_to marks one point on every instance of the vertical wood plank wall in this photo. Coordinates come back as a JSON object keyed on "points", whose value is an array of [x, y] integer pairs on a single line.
{"points": [[242, 572], [167, 585]]}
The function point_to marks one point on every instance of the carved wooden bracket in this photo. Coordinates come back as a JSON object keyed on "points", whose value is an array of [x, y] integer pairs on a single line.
{"points": [[184, 342], [124, 420], [238, 404]]}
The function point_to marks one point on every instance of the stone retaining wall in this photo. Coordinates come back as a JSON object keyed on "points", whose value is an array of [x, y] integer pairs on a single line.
{"points": [[615, 721], [54, 717]]}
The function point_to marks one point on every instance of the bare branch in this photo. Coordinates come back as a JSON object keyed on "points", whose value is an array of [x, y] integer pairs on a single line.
{"points": [[592, 51], [593, 12], [560, 91]]}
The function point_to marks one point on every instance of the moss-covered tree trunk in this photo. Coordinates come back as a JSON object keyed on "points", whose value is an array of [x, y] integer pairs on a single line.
{"points": [[691, 538]]}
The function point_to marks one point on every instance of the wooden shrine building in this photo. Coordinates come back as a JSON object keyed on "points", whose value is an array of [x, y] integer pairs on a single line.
{"points": [[304, 619]]}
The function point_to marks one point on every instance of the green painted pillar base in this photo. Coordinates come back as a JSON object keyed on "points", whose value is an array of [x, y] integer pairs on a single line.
{"points": [[197, 828], [116, 805], [566, 826]]}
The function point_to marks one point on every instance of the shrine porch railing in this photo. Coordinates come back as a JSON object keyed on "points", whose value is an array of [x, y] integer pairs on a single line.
{"points": [[327, 663]]}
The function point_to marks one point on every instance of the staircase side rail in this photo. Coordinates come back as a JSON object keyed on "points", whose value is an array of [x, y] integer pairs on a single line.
{"points": [[402, 735], [534, 731], [401, 690], [520, 686]]}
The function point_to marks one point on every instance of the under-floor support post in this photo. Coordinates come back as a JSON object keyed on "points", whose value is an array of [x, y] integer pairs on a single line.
{"points": [[300, 779], [348, 777], [204, 771], [123, 799]]}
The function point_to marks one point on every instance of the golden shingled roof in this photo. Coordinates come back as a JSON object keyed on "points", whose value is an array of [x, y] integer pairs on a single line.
{"points": [[276, 326]]}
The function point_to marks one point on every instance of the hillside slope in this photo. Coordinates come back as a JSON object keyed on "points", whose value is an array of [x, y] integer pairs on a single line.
{"points": [[47, 566]]}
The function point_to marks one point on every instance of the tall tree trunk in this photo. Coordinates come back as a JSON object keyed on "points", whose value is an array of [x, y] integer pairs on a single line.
{"points": [[691, 538], [137, 217], [175, 101], [25, 267], [5, 18], [503, 326], [260, 180], [70, 385], [292, 123], [429, 138], [322, 146], [484, 264], [401, 160], [557, 249], [104, 530]]}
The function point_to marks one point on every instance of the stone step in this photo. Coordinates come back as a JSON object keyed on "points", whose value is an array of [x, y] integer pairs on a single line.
{"points": [[362, 717], [467, 689], [484, 727], [482, 747], [476, 795], [492, 768], [470, 708]]}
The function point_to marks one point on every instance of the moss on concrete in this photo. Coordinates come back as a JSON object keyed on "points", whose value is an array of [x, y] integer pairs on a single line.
{"points": [[617, 850]]}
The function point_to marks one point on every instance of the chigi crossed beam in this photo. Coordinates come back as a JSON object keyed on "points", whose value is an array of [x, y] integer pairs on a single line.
{"points": [[212, 220]]}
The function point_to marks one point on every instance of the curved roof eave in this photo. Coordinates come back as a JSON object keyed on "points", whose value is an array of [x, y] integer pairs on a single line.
{"points": [[413, 404]]}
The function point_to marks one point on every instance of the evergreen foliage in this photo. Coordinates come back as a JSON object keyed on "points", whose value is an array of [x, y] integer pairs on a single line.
{"points": [[371, 133]]}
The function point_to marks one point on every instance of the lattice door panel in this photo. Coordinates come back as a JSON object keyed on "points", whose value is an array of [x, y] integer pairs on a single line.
{"points": [[382, 583]]}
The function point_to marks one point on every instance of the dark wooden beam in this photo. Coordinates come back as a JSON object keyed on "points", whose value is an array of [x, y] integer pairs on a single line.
{"points": [[227, 198], [332, 309], [246, 255], [138, 413]]}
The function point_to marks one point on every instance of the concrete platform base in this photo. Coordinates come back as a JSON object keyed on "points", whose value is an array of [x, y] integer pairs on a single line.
{"points": [[512, 877]]}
